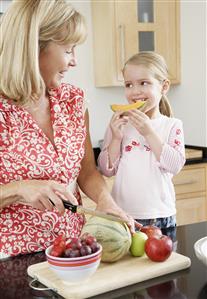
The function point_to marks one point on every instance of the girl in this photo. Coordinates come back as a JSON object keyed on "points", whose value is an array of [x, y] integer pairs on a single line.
{"points": [[145, 148]]}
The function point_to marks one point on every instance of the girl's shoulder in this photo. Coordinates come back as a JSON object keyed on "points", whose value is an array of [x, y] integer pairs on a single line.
{"points": [[170, 120]]}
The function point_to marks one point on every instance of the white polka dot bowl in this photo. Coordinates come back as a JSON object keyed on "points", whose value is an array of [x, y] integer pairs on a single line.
{"points": [[76, 269], [200, 248]]}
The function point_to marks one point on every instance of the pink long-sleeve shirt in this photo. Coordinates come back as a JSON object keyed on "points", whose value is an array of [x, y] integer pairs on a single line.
{"points": [[143, 186]]}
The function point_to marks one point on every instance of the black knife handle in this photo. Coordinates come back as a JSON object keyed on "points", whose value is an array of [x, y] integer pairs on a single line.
{"points": [[67, 205]]}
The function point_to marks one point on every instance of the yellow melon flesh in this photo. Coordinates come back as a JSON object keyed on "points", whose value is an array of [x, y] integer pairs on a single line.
{"points": [[128, 107]]}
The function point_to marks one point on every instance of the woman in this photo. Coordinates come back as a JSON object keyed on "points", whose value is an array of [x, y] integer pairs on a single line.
{"points": [[45, 147]]}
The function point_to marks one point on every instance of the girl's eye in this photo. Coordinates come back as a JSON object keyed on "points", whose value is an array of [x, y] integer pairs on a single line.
{"points": [[144, 83], [128, 85], [69, 52]]}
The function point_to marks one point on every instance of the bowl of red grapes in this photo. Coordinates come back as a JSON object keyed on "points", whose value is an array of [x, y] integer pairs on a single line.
{"points": [[74, 260]]}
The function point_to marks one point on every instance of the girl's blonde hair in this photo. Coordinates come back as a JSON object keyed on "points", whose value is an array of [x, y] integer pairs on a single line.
{"points": [[26, 28], [158, 68]]}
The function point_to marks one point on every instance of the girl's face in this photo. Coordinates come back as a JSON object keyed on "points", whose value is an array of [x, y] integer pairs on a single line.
{"points": [[54, 61], [141, 85]]}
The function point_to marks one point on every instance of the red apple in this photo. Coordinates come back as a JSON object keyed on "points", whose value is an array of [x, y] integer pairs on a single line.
{"points": [[151, 230], [158, 248]]}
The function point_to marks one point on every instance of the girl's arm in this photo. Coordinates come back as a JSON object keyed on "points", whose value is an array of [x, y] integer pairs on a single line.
{"points": [[109, 156], [172, 157], [171, 154], [108, 159]]}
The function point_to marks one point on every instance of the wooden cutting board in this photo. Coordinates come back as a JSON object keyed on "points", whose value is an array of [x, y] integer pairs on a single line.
{"points": [[129, 270]]}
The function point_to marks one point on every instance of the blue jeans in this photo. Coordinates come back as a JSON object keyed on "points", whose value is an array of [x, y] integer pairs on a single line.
{"points": [[159, 222]]}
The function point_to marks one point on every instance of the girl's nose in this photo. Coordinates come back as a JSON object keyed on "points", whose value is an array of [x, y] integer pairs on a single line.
{"points": [[136, 90]]}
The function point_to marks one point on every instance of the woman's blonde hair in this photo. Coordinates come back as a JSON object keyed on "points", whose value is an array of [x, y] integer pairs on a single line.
{"points": [[158, 68], [26, 28]]}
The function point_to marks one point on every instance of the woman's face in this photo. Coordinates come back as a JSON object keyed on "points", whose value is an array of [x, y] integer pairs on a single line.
{"points": [[141, 85], [54, 61]]}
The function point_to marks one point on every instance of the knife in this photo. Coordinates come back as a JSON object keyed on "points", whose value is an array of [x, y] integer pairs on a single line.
{"points": [[82, 210]]}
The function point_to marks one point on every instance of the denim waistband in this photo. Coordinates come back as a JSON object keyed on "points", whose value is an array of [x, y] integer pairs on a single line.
{"points": [[160, 222]]}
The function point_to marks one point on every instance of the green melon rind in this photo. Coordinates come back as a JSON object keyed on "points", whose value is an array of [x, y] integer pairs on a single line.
{"points": [[113, 248]]}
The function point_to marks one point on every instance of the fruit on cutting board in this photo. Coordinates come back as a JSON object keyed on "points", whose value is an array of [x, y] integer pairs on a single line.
{"points": [[151, 230], [158, 248], [138, 243], [74, 247], [114, 237], [127, 107]]}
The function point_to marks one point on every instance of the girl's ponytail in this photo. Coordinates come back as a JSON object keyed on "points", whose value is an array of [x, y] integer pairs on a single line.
{"points": [[165, 107]]}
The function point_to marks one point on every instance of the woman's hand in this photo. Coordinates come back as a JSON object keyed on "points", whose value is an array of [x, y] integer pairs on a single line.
{"points": [[117, 123], [111, 207], [42, 194]]}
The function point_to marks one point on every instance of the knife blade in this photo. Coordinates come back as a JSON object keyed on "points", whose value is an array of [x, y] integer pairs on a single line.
{"points": [[82, 210]]}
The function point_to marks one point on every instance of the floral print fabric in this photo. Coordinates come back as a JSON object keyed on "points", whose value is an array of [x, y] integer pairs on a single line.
{"points": [[26, 153]]}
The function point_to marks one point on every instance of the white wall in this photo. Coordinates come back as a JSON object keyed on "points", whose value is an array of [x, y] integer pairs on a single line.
{"points": [[188, 99]]}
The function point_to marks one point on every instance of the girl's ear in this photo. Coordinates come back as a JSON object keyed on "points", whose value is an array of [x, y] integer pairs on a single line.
{"points": [[165, 86]]}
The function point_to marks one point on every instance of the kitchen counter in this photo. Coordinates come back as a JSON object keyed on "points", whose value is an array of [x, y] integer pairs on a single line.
{"points": [[186, 284], [194, 154]]}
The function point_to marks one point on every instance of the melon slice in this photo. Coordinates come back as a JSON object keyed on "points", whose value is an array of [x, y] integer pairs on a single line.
{"points": [[128, 107]]}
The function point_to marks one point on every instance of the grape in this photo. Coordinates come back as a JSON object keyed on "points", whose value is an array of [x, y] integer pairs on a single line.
{"points": [[75, 253], [90, 240], [75, 247], [95, 247], [67, 252], [85, 250]]}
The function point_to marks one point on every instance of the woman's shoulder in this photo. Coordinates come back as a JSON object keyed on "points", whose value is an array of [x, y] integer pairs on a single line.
{"points": [[66, 90], [6, 104], [73, 89]]}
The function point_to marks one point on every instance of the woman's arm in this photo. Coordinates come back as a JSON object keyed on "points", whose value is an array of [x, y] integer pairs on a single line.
{"points": [[40, 194], [8, 194], [90, 180], [93, 185]]}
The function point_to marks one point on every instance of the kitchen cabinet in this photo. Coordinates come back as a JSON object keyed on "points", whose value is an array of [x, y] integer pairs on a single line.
{"points": [[191, 193], [123, 28]]}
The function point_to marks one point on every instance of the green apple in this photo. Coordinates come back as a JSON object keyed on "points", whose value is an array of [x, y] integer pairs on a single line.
{"points": [[138, 243]]}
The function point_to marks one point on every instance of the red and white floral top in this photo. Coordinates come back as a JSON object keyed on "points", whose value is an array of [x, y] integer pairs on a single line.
{"points": [[27, 153]]}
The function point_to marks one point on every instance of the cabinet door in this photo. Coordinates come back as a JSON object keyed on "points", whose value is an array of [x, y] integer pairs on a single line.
{"points": [[123, 28], [148, 26], [191, 210]]}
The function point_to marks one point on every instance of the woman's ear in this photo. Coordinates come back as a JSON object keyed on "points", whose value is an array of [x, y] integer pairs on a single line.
{"points": [[165, 86]]}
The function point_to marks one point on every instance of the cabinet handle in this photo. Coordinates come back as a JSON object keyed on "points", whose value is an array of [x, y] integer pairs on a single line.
{"points": [[122, 45], [186, 182]]}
